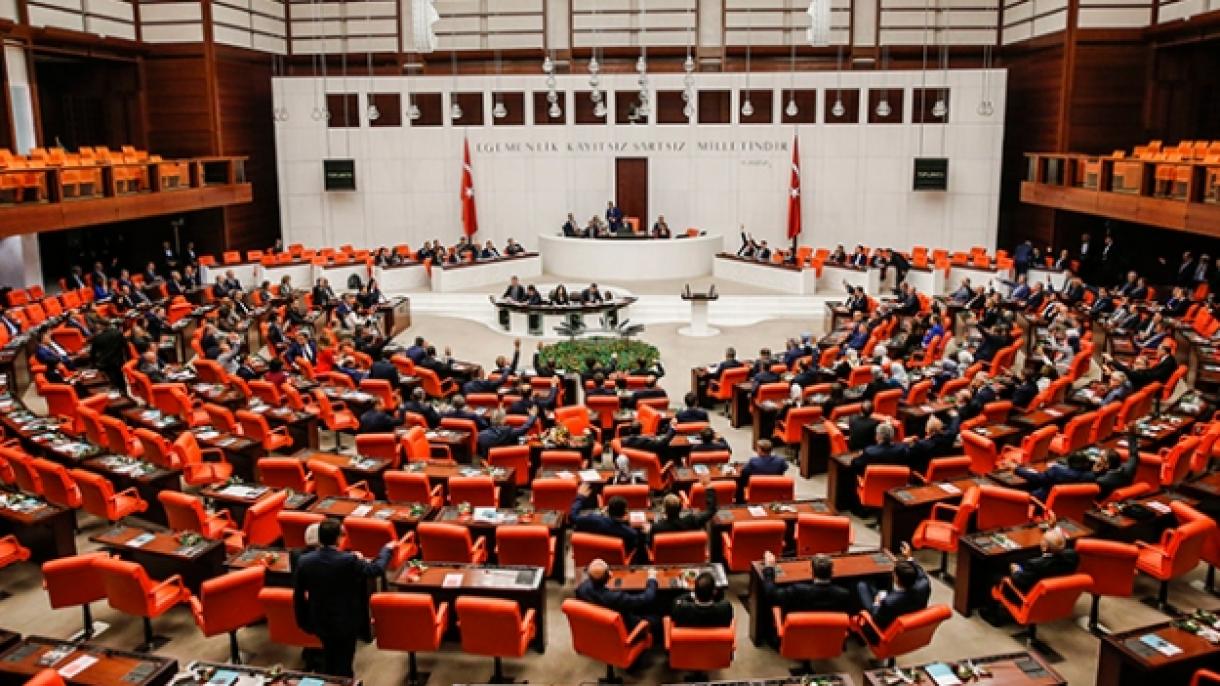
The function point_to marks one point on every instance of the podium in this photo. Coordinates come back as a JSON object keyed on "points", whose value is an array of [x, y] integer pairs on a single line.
{"points": [[698, 314]]}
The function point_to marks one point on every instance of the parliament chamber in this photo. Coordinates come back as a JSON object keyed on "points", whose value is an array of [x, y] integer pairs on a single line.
{"points": [[750, 342]]}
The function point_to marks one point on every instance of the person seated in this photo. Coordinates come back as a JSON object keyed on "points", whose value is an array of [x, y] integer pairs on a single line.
{"points": [[762, 373], [862, 427], [623, 474], [1077, 468], [1129, 288], [323, 295], [761, 464], [632, 436], [418, 350], [1141, 373], [634, 606], [672, 518], [442, 366], [499, 433], [691, 412], [504, 369], [571, 229], [591, 295], [1064, 261], [231, 283], [939, 440], [532, 297], [650, 390], [1151, 336], [730, 361], [54, 356], [908, 302], [858, 338], [709, 441], [515, 291], [599, 386], [703, 607], [419, 405], [1112, 473], [376, 420], [660, 229], [559, 296], [819, 595], [1020, 290], [883, 451], [837, 256], [459, 411], [909, 593], [489, 252], [152, 367], [963, 293], [858, 258], [1056, 560], [301, 348], [585, 516], [513, 248], [763, 253]]}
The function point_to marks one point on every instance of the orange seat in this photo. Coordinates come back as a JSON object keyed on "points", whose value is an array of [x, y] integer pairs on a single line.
{"points": [[558, 460], [636, 495], [72, 581], [58, 486], [129, 590], [680, 547], [722, 389], [588, 547], [1179, 549], [659, 477], [1175, 460], [1111, 565], [368, 535], [282, 624], [185, 512], [877, 479], [260, 526], [293, 525], [408, 487], [1049, 600], [195, 471], [381, 446], [227, 603], [254, 427], [440, 542], [770, 489], [12, 552], [1000, 508], [747, 541], [46, 677], [599, 633], [410, 623], [515, 457], [417, 449], [1071, 501], [525, 545], [119, 437], [494, 627], [382, 389], [1075, 434], [284, 472], [885, 403], [906, 633], [809, 636], [432, 384], [700, 649], [817, 533], [99, 499], [946, 469], [726, 493], [330, 481], [553, 493], [335, 416], [478, 491], [945, 527], [1205, 677]]}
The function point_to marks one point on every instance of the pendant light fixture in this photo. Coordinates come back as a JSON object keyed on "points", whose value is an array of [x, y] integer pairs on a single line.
{"points": [[641, 67], [498, 110], [790, 110], [986, 108], [595, 68], [747, 107], [688, 66], [883, 107], [319, 112], [939, 108], [838, 110], [371, 111], [455, 109]]}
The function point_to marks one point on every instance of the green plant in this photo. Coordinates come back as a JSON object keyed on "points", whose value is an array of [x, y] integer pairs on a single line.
{"points": [[571, 355]]}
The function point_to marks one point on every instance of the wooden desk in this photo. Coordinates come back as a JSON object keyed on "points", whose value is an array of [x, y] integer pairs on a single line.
{"points": [[698, 385], [49, 531], [982, 560], [739, 405], [786, 512], [1055, 414], [405, 516], [876, 566], [64, 449], [1206, 487], [685, 477], [276, 561], [163, 555], [814, 453], [355, 468], [915, 417], [1111, 523], [8, 639], [1124, 660], [441, 472], [457, 440], [395, 316], [803, 680], [999, 434], [1012, 669], [553, 520], [525, 585], [1156, 432], [147, 478], [112, 667], [203, 671], [301, 426], [904, 508], [841, 483], [238, 498]]}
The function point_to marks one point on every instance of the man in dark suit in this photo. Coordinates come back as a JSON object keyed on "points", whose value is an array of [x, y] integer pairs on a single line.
{"points": [[376, 420], [650, 390], [692, 412], [53, 355], [634, 606], [883, 451], [503, 370], [329, 596], [591, 295], [938, 441], [1056, 560], [515, 291], [613, 522], [674, 520], [418, 350], [499, 433], [821, 595], [614, 218], [910, 592], [302, 347], [730, 361], [704, 607], [761, 464], [459, 411], [109, 351], [862, 428], [1141, 374], [419, 405], [384, 370], [9, 321]]}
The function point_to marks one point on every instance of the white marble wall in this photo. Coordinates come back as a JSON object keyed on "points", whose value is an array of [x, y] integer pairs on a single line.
{"points": [[857, 178]]}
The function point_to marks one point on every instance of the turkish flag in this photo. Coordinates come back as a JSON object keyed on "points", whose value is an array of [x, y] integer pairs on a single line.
{"points": [[794, 192], [470, 218]]}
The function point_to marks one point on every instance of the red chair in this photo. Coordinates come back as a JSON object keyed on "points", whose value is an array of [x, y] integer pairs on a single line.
{"points": [[1175, 460], [1075, 434], [432, 384], [1205, 677], [1111, 565], [129, 590], [1107, 418], [1071, 501], [496, 628], [185, 512], [46, 677], [1048, 601], [636, 495], [599, 633], [74, 581], [726, 493], [946, 469], [680, 547], [119, 437], [409, 623], [560, 460], [440, 542], [330, 481], [515, 457], [747, 541], [99, 499], [335, 416], [284, 472], [709, 457], [554, 493], [981, 451], [588, 547], [294, 524], [261, 524], [945, 527], [659, 477], [1178, 551], [195, 470], [368, 535], [770, 489], [254, 427], [12, 552], [526, 545], [1000, 508], [885, 403], [282, 624], [479, 491], [700, 649], [158, 450], [381, 446], [409, 487], [722, 389], [58, 487], [809, 636], [905, 634], [227, 603], [416, 447], [877, 479], [817, 533]]}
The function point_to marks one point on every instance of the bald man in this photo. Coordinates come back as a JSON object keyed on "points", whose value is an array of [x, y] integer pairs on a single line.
{"points": [[1056, 560], [634, 606]]}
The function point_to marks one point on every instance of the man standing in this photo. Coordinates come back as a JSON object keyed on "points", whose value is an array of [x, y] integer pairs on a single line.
{"points": [[614, 217], [329, 596], [109, 350], [515, 291]]}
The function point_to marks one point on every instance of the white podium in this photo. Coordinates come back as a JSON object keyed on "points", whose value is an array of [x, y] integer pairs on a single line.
{"points": [[698, 315]]}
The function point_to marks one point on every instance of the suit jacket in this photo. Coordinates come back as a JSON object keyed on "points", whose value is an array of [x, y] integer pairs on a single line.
{"points": [[763, 465], [595, 522], [861, 432], [109, 349], [691, 414], [516, 293], [504, 434], [724, 366], [479, 422], [429, 413], [374, 421], [899, 602], [688, 612], [384, 370], [881, 453], [309, 351], [691, 521], [632, 605], [329, 591], [1045, 566], [588, 295], [805, 596]]}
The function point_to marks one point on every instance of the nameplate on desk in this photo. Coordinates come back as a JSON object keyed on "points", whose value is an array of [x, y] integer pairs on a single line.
{"points": [[950, 488], [757, 511], [141, 540], [590, 475], [77, 666], [361, 510], [452, 581], [1160, 645]]}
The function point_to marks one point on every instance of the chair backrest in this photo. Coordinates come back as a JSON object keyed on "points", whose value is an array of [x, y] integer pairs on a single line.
{"points": [[408, 622], [1103, 427], [22, 465], [127, 585], [328, 479], [981, 451], [230, 601], [1037, 445], [770, 489], [570, 460], [515, 456], [650, 464], [709, 457], [1184, 545], [283, 472], [680, 547], [948, 468], [886, 402], [479, 491], [1111, 565], [918, 395], [1001, 507], [700, 648], [1071, 501], [527, 545], [58, 486], [726, 493], [1076, 432], [817, 533], [553, 493], [911, 631], [367, 535], [636, 495], [879, 478], [282, 624], [408, 487], [261, 525], [574, 417], [750, 539], [597, 632], [293, 525], [587, 547], [73, 580], [183, 511], [382, 446], [1176, 462], [812, 635], [1054, 598], [489, 626], [441, 542]]}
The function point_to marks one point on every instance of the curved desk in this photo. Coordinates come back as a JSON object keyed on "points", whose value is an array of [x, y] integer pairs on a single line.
{"points": [[642, 260], [541, 320]]}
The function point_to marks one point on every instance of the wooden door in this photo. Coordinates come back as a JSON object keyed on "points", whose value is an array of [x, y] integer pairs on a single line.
{"points": [[631, 188]]}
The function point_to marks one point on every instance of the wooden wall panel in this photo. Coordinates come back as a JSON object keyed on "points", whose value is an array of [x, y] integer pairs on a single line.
{"points": [[243, 88], [180, 114], [1107, 97]]}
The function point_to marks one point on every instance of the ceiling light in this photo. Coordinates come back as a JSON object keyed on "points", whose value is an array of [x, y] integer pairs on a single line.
{"points": [[747, 108], [455, 111], [555, 112], [499, 111], [413, 112], [791, 110], [838, 110], [547, 65], [939, 110], [883, 108]]}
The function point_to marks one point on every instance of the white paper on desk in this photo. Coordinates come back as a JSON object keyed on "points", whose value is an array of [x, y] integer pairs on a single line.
{"points": [[139, 541], [77, 666], [362, 510], [239, 491], [950, 488], [590, 475], [757, 511], [564, 474], [638, 518], [452, 581], [1054, 413], [486, 514]]}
